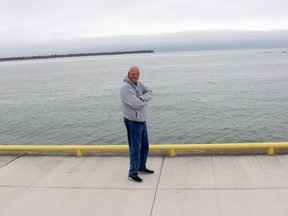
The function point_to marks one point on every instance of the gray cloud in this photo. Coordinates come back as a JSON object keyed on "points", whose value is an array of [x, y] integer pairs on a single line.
{"points": [[182, 41]]}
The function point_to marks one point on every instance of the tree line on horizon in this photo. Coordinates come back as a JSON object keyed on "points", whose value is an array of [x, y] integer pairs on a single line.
{"points": [[75, 55]]}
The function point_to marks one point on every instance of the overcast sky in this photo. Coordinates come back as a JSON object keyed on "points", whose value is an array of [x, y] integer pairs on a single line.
{"points": [[58, 26]]}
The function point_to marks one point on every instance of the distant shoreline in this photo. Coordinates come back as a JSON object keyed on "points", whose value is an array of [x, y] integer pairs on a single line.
{"points": [[74, 55]]}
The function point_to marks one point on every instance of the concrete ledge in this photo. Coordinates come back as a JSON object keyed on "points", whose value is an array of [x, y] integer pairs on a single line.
{"points": [[35, 184]]}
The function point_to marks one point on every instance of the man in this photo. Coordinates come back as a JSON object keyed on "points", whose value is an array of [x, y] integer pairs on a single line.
{"points": [[134, 97]]}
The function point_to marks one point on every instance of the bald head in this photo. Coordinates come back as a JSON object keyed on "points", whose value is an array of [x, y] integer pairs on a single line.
{"points": [[134, 74]]}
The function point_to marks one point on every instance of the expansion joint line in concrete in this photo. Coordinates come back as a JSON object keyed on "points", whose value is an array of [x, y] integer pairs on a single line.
{"points": [[156, 190]]}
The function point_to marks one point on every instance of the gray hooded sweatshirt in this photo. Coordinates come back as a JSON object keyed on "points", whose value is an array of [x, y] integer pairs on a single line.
{"points": [[134, 100]]}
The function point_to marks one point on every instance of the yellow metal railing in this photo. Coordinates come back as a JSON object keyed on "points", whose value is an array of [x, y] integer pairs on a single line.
{"points": [[172, 148]]}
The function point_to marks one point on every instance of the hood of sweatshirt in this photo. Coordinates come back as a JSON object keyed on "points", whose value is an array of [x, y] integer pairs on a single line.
{"points": [[126, 79]]}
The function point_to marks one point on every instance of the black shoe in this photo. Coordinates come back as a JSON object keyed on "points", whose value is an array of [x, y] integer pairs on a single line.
{"points": [[146, 171], [135, 179]]}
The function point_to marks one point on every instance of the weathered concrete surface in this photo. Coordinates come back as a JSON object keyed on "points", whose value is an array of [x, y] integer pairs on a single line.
{"points": [[186, 185]]}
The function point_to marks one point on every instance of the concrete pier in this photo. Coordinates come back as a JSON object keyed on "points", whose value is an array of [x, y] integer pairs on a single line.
{"points": [[206, 185]]}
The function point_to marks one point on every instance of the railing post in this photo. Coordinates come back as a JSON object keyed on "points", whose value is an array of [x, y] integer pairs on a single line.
{"points": [[79, 153], [172, 152], [271, 151]]}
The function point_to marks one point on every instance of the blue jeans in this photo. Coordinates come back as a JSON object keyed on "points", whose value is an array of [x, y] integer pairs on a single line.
{"points": [[138, 145]]}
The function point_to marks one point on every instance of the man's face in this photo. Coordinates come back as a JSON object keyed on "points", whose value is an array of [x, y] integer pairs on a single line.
{"points": [[134, 74]]}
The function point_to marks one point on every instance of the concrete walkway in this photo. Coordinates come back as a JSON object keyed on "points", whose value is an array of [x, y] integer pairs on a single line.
{"points": [[184, 185]]}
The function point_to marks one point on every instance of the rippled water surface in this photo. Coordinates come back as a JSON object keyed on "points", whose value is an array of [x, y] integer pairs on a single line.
{"points": [[199, 97]]}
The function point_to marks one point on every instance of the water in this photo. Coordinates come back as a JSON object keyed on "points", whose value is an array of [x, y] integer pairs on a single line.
{"points": [[200, 97]]}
